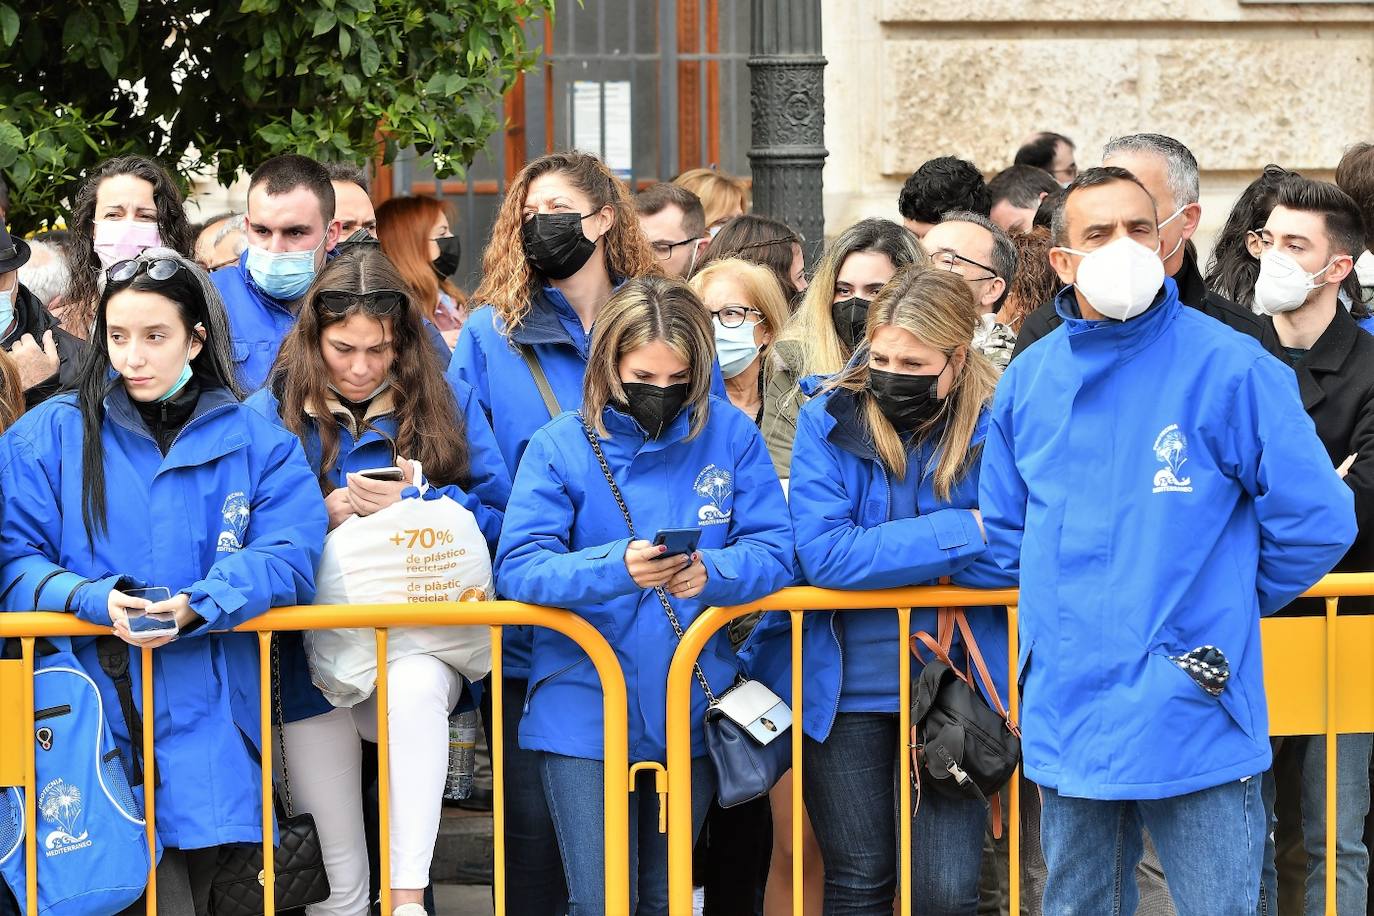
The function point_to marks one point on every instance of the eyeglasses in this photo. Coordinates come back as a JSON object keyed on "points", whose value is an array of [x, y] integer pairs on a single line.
{"points": [[158, 268], [732, 316], [1068, 172], [664, 250], [376, 302], [953, 261]]}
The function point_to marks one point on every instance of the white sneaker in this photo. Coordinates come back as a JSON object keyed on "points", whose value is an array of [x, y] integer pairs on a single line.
{"points": [[409, 909]]}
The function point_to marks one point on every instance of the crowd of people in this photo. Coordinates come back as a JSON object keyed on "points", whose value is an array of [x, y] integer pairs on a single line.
{"points": [[1031, 381]]}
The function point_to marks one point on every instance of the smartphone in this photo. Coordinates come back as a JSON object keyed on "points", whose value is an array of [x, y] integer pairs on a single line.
{"points": [[383, 474], [678, 541], [143, 625]]}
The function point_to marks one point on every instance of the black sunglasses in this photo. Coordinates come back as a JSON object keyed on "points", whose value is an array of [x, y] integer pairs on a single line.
{"points": [[158, 268], [377, 302]]}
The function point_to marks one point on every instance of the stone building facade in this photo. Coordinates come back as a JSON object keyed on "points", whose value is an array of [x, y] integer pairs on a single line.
{"points": [[1241, 83]]}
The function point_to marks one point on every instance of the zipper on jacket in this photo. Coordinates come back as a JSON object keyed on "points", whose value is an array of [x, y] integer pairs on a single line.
{"points": [[544, 680]]}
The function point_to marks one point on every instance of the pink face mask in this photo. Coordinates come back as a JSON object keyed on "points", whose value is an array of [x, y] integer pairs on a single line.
{"points": [[120, 240]]}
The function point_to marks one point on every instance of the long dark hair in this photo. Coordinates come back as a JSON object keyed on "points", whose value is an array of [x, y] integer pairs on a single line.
{"points": [[429, 427], [1232, 269], [197, 302], [172, 226]]}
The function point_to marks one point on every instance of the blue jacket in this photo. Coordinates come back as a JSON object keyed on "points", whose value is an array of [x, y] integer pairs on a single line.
{"points": [[851, 536], [258, 322], [485, 497], [230, 516], [1157, 486], [564, 545], [488, 361]]}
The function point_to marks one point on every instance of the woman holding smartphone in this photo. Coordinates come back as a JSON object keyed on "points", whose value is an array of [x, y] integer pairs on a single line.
{"points": [[358, 383], [679, 458], [153, 474]]}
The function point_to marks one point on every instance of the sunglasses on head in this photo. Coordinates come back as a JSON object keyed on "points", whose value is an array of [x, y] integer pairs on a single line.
{"points": [[376, 302], [157, 268]]}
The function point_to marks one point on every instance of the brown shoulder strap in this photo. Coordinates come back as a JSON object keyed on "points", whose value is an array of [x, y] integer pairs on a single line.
{"points": [[541, 381]]}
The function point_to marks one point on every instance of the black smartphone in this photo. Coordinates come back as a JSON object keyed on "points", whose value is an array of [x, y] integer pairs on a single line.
{"points": [[678, 541], [382, 474]]}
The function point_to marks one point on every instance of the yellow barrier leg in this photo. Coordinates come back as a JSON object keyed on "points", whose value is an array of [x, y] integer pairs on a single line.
{"points": [[383, 776], [30, 785], [1331, 755], [269, 863], [497, 728], [904, 759], [1014, 808], [149, 769], [798, 807]]}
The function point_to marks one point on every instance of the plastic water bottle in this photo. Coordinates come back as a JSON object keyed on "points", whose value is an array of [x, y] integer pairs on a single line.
{"points": [[462, 754]]}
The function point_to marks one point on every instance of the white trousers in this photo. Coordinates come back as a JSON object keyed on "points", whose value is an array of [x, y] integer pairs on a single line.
{"points": [[324, 755]]}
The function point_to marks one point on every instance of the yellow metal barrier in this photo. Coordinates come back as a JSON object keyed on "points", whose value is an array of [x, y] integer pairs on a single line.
{"points": [[1309, 663], [16, 718]]}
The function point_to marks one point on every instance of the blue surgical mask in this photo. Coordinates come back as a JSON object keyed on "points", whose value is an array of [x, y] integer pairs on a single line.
{"points": [[182, 379], [282, 274], [6, 310], [735, 347]]}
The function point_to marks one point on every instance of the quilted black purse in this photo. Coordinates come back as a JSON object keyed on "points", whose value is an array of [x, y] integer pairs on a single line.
{"points": [[237, 888]]}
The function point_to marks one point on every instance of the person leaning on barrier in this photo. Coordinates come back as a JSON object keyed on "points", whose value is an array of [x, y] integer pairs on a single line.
{"points": [[821, 336], [682, 458], [152, 474], [566, 235], [358, 383], [1306, 248], [1167, 169], [1140, 659], [884, 493]]}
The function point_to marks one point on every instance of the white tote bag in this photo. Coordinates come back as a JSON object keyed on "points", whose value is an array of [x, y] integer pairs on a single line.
{"points": [[416, 551]]}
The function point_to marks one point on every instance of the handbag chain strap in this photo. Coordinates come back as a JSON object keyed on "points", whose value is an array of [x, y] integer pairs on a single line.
{"points": [[629, 522], [280, 723]]}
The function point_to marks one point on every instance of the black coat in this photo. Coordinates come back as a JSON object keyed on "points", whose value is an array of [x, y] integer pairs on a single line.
{"points": [[34, 319], [1336, 381], [1192, 292]]}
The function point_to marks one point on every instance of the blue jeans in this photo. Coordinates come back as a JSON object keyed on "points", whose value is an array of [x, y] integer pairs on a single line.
{"points": [[850, 782], [1352, 806], [576, 793], [534, 871], [1210, 843]]}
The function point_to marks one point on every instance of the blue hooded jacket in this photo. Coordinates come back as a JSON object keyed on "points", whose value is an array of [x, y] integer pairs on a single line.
{"points": [[258, 322], [1157, 486], [230, 516], [488, 361], [858, 527], [564, 545], [485, 497]]}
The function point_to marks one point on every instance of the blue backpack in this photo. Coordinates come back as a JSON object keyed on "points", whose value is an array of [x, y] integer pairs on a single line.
{"points": [[92, 842]]}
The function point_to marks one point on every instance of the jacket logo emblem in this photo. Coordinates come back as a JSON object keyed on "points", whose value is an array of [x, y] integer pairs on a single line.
{"points": [[1171, 448], [716, 486], [60, 805], [235, 514]]}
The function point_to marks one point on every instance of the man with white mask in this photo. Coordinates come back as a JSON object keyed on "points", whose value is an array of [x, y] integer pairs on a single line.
{"points": [[1154, 483], [1169, 172], [1306, 248]]}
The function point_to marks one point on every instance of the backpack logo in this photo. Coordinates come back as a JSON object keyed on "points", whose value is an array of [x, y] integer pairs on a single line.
{"points": [[235, 512], [1171, 448], [716, 486], [60, 805]]}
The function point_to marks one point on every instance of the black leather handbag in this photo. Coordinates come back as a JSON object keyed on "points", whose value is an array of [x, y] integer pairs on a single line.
{"points": [[746, 724], [298, 860]]}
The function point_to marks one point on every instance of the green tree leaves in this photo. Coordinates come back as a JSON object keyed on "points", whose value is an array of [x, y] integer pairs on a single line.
{"points": [[224, 85]]}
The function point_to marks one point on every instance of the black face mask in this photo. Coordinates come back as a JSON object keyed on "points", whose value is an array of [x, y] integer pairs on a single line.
{"points": [[908, 401], [850, 317], [450, 253], [555, 245], [652, 407]]}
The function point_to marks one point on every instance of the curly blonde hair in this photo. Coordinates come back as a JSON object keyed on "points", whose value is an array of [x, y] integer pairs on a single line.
{"points": [[509, 283]]}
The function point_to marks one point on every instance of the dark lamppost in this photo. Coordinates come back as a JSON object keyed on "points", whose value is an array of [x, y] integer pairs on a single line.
{"points": [[787, 101]]}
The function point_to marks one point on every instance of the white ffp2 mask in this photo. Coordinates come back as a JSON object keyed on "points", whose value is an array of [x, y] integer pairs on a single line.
{"points": [[1120, 279]]}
